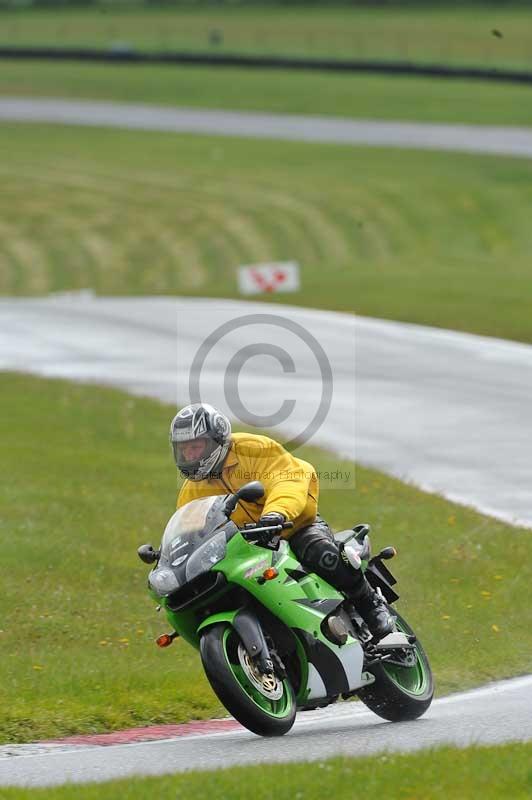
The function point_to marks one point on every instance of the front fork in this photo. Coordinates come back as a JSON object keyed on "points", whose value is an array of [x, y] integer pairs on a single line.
{"points": [[249, 629]]}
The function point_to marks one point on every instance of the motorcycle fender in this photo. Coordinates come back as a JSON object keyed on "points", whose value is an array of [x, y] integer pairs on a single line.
{"points": [[248, 628], [223, 616]]}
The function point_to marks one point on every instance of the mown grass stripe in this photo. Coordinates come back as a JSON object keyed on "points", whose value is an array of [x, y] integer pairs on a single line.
{"points": [[410, 236], [461, 35]]}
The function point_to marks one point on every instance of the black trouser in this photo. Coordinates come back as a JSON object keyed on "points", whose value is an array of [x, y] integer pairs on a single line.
{"points": [[317, 550]]}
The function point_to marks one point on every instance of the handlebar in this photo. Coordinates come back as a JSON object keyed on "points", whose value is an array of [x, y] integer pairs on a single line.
{"points": [[254, 527], [251, 529]]}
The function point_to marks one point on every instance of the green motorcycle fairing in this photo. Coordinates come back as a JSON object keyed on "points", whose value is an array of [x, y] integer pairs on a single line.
{"points": [[301, 601], [298, 599]]}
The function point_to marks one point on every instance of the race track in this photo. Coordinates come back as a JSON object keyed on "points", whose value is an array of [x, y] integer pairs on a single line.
{"points": [[494, 714], [448, 411], [488, 139]]}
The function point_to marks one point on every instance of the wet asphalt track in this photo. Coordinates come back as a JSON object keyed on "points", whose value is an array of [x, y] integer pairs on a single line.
{"points": [[494, 714], [490, 139], [448, 411]]}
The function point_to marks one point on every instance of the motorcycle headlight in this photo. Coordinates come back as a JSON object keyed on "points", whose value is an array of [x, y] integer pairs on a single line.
{"points": [[163, 581], [206, 556]]}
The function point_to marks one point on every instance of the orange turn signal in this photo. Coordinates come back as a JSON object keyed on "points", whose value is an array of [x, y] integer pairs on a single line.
{"points": [[269, 574], [164, 640]]}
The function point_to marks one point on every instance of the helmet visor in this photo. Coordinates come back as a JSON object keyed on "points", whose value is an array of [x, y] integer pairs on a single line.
{"points": [[192, 452]]}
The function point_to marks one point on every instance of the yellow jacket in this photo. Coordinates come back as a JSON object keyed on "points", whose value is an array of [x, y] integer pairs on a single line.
{"points": [[291, 484]]}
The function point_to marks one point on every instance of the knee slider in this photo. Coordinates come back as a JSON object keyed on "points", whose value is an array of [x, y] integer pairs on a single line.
{"points": [[350, 555]]}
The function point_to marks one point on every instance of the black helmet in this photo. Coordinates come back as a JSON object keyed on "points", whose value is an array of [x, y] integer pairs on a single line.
{"points": [[200, 423]]}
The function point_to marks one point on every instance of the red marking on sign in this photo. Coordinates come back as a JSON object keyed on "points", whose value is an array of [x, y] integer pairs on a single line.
{"points": [[151, 733], [268, 286]]}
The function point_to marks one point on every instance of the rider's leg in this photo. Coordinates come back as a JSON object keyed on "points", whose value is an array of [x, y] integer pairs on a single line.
{"points": [[317, 549]]}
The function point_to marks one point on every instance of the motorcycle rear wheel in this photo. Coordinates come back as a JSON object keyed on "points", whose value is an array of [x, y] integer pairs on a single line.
{"points": [[400, 693], [236, 690]]}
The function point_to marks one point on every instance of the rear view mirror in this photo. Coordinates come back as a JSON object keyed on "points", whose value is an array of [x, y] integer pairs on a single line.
{"points": [[147, 554], [249, 492]]}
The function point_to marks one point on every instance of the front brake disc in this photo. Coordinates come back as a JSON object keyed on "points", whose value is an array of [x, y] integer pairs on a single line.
{"points": [[269, 685]]}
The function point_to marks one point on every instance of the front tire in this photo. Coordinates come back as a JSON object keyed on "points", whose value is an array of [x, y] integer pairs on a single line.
{"points": [[400, 693], [236, 686]]}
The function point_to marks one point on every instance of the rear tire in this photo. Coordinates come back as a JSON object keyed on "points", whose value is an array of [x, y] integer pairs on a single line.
{"points": [[400, 693], [258, 713]]}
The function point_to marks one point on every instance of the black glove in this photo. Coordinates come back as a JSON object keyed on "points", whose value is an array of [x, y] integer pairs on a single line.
{"points": [[270, 538], [271, 518]]}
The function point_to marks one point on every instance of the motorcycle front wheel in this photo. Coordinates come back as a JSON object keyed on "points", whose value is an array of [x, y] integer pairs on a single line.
{"points": [[400, 693], [264, 704]]}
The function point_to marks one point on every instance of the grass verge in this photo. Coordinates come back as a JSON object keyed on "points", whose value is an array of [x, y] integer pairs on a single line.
{"points": [[294, 92], [90, 478], [492, 773], [459, 35], [433, 238]]}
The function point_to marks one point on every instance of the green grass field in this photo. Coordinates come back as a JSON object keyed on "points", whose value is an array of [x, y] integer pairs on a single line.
{"points": [[492, 773], [462, 35], [433, 238], [91, 478], [294, 92]]}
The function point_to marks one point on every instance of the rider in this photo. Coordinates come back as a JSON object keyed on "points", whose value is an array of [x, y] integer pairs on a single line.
{"points": [[215, 461]]}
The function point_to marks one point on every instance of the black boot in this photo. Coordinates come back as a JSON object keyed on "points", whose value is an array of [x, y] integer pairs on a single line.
{"points": [[316, 548], [373, 610]]}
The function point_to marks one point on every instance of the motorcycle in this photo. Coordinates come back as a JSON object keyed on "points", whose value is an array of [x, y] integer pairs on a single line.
{"points": [[273, 637]]}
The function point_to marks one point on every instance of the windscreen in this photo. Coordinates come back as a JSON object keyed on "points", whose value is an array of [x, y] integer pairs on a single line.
{"points": [[193, 523]]}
